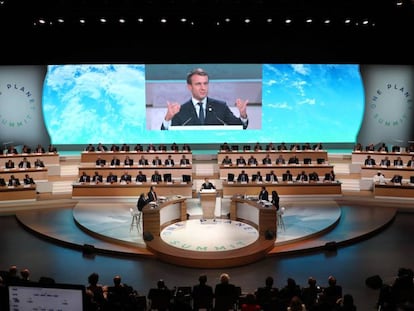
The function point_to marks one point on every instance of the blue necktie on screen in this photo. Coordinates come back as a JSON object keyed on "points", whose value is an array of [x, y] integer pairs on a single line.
{"points": [[201, 113]]}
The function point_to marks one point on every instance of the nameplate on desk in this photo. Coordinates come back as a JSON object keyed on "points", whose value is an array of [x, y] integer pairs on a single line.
{"points": [[138, 183], [207, 190]]}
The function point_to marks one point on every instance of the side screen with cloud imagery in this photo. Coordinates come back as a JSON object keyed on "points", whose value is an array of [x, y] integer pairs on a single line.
{"points": [[125, 103]]}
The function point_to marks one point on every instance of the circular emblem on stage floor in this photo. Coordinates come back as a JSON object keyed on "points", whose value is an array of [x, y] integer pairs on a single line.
{"points": [[209, 235]]}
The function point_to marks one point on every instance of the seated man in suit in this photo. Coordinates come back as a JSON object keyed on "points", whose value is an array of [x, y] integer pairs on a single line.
{"points": [[201, 109], [252, 160], [280, 160], [101, 148], [313, 176], [39, 163], [126, 177], [152, 195], [287, 176], [115, 161], [264, 194], [385, 162], [184, 161], [169, 161], [97, 178], [267, 160], [100, 161], [111, 178], [302, 177], [410, 162], [128, 161], [156, 177], [138, 148], [243, 177], [14, 181], [24, 163], [240, 161], [141, 177], [27, 180], [125, 147], [143, 161], [84, 177], [156, 161], [2, 182], [369, 161], [396, 179], [257, 177], [226, 160], [9, 164], [142, 201], [293, 160], [398, 162], [271, 177], [114, 148]]}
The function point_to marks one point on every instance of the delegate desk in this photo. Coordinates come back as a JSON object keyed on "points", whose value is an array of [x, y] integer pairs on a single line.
{"points": [[261, 216], [91, 157], [155, 218], [388, 172], [406, 190], [320, 169], [36, 173], [259, 155], [24, 192], [48, 159], [360, 157], [282, 188], [176, 171], [129, 190]]}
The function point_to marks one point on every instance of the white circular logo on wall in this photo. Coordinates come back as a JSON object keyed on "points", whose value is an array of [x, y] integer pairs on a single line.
{"points": [[391, 106], [22, 105]]}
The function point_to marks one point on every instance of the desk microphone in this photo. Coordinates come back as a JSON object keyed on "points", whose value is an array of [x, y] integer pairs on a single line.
{"points": [[186, 122], [210, 109]]}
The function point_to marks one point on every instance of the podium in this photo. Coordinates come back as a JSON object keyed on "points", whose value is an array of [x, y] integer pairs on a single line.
{"points": [[208, 202]]}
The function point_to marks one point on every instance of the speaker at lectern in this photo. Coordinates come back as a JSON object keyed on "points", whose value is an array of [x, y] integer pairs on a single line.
{"points": [[208, 202]]}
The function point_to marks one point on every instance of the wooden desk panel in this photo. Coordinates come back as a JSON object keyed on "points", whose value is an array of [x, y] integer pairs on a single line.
{"points": [[47, 158], [279, 170], [17, 193], [91, 157], [388, 172], [359, 157], [35, 173], [266, 221], [391, 190], [132, 190], [283, 188], [175, 171], [259, 155]]}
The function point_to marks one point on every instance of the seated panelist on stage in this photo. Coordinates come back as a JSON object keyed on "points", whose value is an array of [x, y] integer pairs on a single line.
{"points": [[141, 177], [143, 161], [240, 161], [271, 177], [369, 161], [90, 148], [24, 163], [156, 177], [27, 180], [252, 160], [398, 162], [115, 161], [39, 163], [267, 160], [156, 161], [169, 161], [138, 148], [14, 181], [385, 162], [257, 177], [97, 178], [9, 164], [128, 161], [142, 201], [329, 176], [2, 182], [39, 149], [410, 162], [125, 147], [26, 149], [152, 195], [207, 185], [226, 160], [201, 109], [111, 178], [184, 161], [396, 179], [101, 148], [125, 177], [313, 176], [174, 147], [100, 161], [302, 177], [84, 178], [287, 176], [243, 177], [280, 160], [114, 148], [293, 160]]}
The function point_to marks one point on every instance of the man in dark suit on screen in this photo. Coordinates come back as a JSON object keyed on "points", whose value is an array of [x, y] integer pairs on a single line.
{"points": [[201, 109]]}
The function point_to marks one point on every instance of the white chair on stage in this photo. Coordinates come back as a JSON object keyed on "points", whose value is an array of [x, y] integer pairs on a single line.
{"points": [[136, 218], [280, 222]]}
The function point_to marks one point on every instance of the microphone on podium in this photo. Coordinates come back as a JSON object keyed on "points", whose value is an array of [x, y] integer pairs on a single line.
{"points": [[186, 121], [210, 109]]}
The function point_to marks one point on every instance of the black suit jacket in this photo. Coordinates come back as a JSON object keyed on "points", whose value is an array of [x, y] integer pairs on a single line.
{"points": [[217, 113], [2, 182]]}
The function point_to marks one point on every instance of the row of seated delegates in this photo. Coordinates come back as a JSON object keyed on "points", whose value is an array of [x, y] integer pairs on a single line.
{"points": [[243, 177], [382, 147], [225, 147], [27, 150], [143, 161], [396, 179], [127, 178], [15, 181], [370, 161], [24, 163], [138, 148], [267, 160]]}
